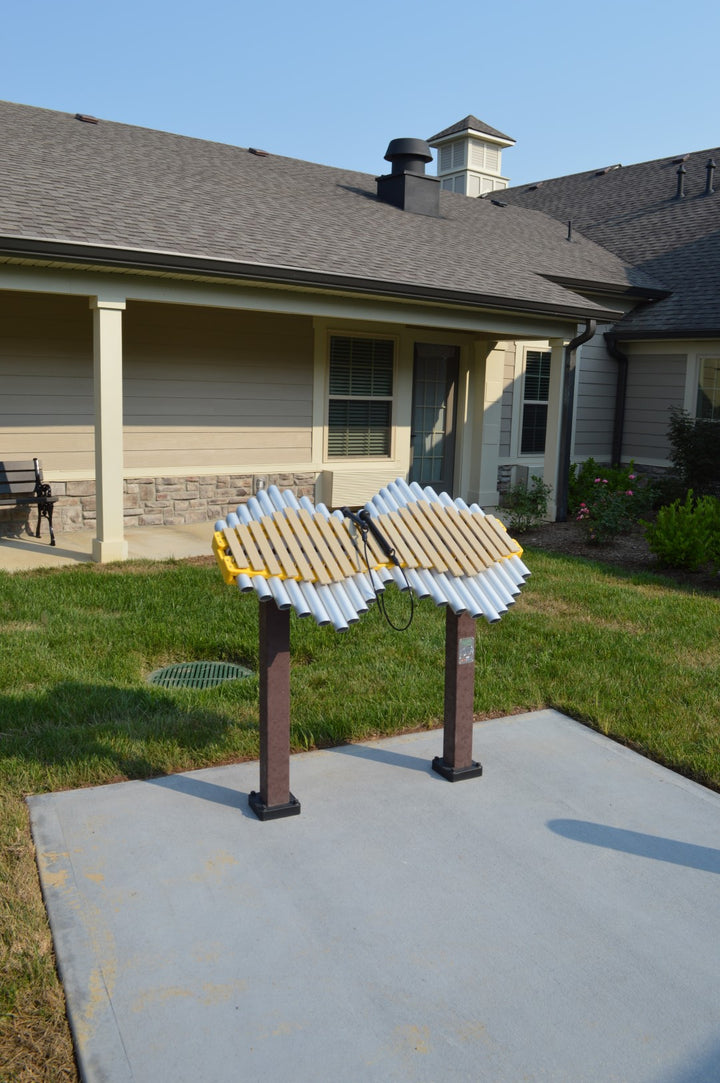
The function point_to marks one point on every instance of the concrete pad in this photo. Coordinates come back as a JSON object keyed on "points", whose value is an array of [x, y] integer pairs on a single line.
{"points": [[556, 919], [146, 542]]}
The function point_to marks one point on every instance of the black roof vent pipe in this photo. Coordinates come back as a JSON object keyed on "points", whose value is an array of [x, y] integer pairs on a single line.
{"points": [[680, 181], [710, 169], [408, 155], [407, 186]]}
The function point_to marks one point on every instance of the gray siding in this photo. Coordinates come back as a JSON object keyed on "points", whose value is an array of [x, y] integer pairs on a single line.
{"points": [[655, 383], [595, 401]]}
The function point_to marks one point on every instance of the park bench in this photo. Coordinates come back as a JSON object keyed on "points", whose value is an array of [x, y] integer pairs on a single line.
{"points": [[21, 482]]}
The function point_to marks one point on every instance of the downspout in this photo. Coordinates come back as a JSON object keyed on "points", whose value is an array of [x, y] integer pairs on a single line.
{"points": [[568, 399], [620, 396]]}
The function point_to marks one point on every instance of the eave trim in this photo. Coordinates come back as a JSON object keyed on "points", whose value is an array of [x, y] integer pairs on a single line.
{"points": [[99, 256]]}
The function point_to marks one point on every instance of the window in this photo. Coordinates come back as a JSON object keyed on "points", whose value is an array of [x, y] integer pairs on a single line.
{"points": [[360, 402], [708, 400], [535, 402]]}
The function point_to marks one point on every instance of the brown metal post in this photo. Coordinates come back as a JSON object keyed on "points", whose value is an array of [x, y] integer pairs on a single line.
{"points": [[274, 799], [456, 761]]}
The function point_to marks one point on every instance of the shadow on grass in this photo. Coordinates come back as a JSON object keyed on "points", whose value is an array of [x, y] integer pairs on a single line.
{"points": [[83, 734], [701, 583]]}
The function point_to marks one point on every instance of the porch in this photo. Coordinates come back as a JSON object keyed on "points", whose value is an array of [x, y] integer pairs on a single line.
{"points": [[25, 553]]}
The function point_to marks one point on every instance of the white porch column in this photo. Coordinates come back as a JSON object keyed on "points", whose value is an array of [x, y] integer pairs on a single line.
{"points": [[554, 415], [489, 415], [110, 543]]}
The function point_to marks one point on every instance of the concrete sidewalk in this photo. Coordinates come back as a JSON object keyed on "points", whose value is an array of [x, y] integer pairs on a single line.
{"points": [[147, 542], [555, 920]]}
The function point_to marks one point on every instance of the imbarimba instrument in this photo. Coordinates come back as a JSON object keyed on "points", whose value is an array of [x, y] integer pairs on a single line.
{"points": [[333, 565]]}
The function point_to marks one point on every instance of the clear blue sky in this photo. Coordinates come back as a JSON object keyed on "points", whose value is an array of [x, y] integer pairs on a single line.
{"points": [[578, 85]]}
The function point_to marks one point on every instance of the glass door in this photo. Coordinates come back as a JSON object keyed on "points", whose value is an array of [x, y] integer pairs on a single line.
{"points": [[433, 415]]}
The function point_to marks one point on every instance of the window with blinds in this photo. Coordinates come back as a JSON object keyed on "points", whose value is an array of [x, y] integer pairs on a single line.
{"points": [[535, 402], [360, 397]]}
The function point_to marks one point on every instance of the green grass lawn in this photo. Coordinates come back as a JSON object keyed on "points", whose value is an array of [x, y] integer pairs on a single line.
{"points": [[635, 657]]}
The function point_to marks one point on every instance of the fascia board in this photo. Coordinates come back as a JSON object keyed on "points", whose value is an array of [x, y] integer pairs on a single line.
{"points": [[646, 293], [98, 257], [472, 133]]}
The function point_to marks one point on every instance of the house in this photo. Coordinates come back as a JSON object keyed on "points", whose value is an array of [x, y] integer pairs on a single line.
{"points": [[662, 218], [184, 322]]}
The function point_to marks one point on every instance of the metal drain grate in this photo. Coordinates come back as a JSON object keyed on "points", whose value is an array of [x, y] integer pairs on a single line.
{"points": [[198, 674]]}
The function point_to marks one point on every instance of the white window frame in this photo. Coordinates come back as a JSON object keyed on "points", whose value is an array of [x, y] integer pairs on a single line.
{"points": [[392, 399], [524, 401]]}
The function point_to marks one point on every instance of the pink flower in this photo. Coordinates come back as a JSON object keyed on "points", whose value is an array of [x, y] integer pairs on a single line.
{"points": [[628, 492], [597, 480], [631, 477]]}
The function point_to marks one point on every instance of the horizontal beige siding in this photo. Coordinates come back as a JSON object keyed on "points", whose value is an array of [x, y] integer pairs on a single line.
{"points": [[506, 413], [655, 383], [356, 487], [202, 388], [210, 386], [46, 389]]}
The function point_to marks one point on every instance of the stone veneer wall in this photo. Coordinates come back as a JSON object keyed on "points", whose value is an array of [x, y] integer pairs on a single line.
{"points": [[158, 501]]}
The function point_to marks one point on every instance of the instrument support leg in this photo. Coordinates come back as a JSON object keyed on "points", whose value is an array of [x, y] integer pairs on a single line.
{"points": [[456, 761], [274, 799]]}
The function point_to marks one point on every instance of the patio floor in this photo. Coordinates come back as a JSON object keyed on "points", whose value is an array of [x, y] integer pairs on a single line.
{"points": [[555, 920], [152, 542]]}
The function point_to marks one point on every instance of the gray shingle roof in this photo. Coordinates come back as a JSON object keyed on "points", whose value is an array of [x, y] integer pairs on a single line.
{"points": [[150, 196], [474, 125], [633, 211]]}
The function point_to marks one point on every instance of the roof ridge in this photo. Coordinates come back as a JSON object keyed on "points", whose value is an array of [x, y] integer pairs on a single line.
{"points": [[470, 123], [666, 159]]}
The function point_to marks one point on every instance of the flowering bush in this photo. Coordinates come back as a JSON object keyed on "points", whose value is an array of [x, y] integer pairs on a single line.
{"points": [[609, 511], [607, 500], [582, 484]]}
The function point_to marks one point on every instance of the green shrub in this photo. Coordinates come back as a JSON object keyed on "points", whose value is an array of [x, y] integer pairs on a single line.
{"points": [[527, 505], [583, 480], [607, 501], [695, 452], [686, 534]]}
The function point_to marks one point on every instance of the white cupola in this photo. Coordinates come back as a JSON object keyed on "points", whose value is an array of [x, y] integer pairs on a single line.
{"points": [[469, 157]]}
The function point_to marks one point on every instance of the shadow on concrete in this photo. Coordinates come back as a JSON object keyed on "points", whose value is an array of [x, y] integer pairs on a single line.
{"points": [[16, 544], [205, 791], [703, 1069], [656, 847], [384, 755]]}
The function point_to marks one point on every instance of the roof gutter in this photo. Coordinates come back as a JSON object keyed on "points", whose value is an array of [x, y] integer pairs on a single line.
{"points": [[620, 395], [178, 263], [644, 293], [566, 419]]}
